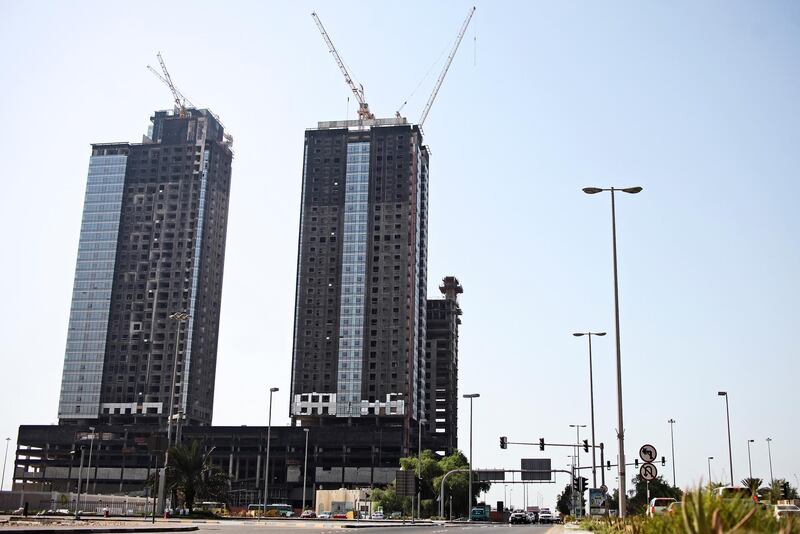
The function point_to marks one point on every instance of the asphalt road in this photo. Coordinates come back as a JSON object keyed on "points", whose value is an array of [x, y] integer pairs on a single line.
{"points": [[292, 527], [326, 527]]}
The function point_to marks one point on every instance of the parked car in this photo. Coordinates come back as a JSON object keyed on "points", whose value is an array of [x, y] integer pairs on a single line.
{"points": [[396, 515], [479, 513], [339, 515], [674, 508], [377, 514], [659, 505], [786, 510], [308, 514], [324, 515]]}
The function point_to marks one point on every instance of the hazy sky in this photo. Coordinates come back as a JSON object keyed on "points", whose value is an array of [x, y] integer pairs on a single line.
{"points": [[697, 102]]}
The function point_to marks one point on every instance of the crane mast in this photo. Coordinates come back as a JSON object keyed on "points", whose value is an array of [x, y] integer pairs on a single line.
{"points": [[438, 85], [358, 90]]}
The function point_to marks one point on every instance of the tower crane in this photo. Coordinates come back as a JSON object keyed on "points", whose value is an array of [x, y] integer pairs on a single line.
{"points": [[358, 90], [447, 63], [181, 102]]}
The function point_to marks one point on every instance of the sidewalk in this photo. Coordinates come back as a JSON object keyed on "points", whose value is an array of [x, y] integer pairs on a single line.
{"points": [[67, 526]]}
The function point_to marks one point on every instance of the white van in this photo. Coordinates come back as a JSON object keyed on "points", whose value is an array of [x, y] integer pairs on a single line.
{"points": [[659, 505]]}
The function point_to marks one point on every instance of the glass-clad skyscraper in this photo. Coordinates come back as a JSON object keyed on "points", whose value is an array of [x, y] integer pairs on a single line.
{"points": [[152, 244]]}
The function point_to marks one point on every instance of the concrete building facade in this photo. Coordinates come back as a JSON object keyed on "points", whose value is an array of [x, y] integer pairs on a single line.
{"points": [[441, 367], [124, 457]]}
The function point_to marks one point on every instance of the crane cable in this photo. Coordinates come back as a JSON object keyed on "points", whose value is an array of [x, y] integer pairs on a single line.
{"points": [[425, 77]]}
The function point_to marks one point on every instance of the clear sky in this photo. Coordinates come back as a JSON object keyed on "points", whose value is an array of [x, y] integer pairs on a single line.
{"points": [[697, 102]]}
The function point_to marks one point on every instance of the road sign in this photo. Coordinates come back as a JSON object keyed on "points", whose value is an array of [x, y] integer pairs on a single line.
{"points": [[597, 502], [405, 483], [648, 453], [648, 472], [487, 475], [540, 467]]}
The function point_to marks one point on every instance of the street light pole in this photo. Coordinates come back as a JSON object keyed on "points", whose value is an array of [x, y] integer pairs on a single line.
{"points": [[470, 396], [709, 468], [728, 416], [91, 448], [672, 442], [419, 464], [591, 398], [305, 470], [269, 431], [579, 507], [769, 451], [179, 317], [620, 424], [80, 472], [5, 457], [749, 462], [572, 493]]}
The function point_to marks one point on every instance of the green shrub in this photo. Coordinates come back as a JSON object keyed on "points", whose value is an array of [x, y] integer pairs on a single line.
{"points": [[702, 513]]}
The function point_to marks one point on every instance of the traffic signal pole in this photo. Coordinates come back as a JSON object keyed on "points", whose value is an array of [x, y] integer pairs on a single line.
{"points": [[479, 471], [504, 443], [585, 444]]}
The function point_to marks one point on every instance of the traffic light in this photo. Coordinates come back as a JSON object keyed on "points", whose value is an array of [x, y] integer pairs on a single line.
{"points": [[541, 444], [503, 442], [636, 462], [580, 484], [586, 445], [608, 465], [663, 460]]}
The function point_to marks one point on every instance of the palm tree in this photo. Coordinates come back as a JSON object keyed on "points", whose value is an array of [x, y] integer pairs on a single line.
{"points": [[193, 476], [753, 484]]}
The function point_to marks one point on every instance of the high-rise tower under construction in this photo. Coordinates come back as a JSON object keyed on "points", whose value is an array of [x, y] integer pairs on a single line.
{"points": [[359, 330], [143, 325]]}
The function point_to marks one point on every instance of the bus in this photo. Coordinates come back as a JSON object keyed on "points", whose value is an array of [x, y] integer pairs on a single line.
{"points": [[280, 510], [216, 508]]}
